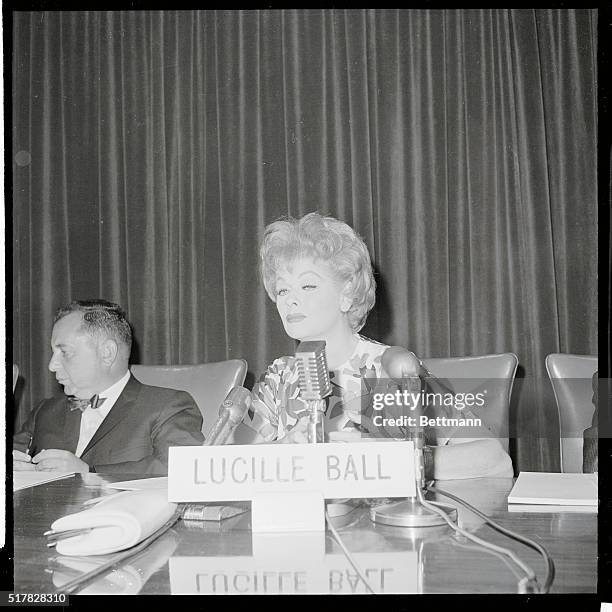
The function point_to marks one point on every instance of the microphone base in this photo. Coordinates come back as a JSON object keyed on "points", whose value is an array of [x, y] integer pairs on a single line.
{"points": [[410, 512]]}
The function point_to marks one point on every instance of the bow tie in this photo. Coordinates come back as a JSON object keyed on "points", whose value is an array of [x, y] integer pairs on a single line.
{"points": [[76, 403]]}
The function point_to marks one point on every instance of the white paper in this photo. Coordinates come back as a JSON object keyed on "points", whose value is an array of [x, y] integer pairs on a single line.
{"points": [[141, 484], [115, 523], [23, 480], [552, 488], [200, 512], [547, 508]]}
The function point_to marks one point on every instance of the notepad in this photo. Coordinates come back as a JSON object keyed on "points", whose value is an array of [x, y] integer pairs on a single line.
{"points": [[548, 508], [23, 480], [548, 488]]}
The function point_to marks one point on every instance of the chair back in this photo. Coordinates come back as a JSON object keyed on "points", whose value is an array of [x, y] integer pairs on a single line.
{"points": [[571, 379], [495, 373], [208, 383], [15, 375]]}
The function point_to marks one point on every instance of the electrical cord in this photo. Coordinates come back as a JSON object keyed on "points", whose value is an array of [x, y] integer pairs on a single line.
{"points": [[504, 553], [503, 558], [531, 577], [347, 554], [550, 566]]}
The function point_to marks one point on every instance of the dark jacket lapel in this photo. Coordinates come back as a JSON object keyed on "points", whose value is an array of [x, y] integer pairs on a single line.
{"points": [[117, 413], [54, 425], [71, 427]]}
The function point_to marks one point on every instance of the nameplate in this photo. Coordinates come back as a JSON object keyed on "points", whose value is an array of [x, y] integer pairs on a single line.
{"points": [[334, 470]]}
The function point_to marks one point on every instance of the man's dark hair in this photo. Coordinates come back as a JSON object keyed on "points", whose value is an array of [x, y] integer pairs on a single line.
{"points": [[100, 318]]}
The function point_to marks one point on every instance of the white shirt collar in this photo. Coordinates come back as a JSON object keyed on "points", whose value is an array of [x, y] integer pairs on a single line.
{"points": [[91, 419]]}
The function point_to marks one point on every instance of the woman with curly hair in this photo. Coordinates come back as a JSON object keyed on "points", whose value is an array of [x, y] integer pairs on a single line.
{"points": [[318, 272]]}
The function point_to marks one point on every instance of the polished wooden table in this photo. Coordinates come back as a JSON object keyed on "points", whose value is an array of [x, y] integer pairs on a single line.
{"points": [[226, 557]]}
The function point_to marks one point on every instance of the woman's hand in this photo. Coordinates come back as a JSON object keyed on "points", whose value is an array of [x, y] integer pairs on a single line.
{"points": [[298, 434]]}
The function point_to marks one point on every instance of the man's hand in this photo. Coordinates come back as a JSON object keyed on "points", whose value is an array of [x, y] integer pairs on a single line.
{"points": [[54, 459], [22, 462], [298, 434]]}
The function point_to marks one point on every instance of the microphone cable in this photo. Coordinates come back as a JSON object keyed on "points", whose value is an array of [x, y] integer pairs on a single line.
{"points": [[347, 554], [493, 549], [501, 557], [550, 566], [531, 577]]}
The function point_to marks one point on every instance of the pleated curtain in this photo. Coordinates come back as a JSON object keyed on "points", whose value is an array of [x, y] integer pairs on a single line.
{"points": [[150, 149]]}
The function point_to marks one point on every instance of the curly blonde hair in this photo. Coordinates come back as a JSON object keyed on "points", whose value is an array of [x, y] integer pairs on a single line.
{"points": [[325, 239]]}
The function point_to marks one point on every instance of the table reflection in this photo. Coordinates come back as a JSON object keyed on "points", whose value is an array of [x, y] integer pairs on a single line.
{"points": [[389, 558], [125, 579], [225, 557]]}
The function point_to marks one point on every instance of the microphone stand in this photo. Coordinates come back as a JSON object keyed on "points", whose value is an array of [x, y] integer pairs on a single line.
{"points": [[409, 512], [316, 409], [417, 540]]}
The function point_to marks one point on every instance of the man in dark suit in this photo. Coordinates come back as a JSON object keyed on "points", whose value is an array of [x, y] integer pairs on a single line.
{"points": [[107, 421]]}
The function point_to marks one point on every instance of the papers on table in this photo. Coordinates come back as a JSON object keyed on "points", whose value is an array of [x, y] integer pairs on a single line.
{"points": [[548, 508], [114, 523], [140, 484], [23, 480], [545, 488], [194, 512]]}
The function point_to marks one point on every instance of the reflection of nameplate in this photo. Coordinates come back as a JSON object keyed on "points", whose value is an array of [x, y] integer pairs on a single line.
{"points": [[386, 572], [267, 474]]}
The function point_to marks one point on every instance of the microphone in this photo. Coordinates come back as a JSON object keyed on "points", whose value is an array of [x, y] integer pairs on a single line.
{"points": [[312, 370], [401, 364], [231, 413], [314, 383]]}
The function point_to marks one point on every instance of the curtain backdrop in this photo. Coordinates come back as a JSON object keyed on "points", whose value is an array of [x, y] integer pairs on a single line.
{"points": [[150, 149]]}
